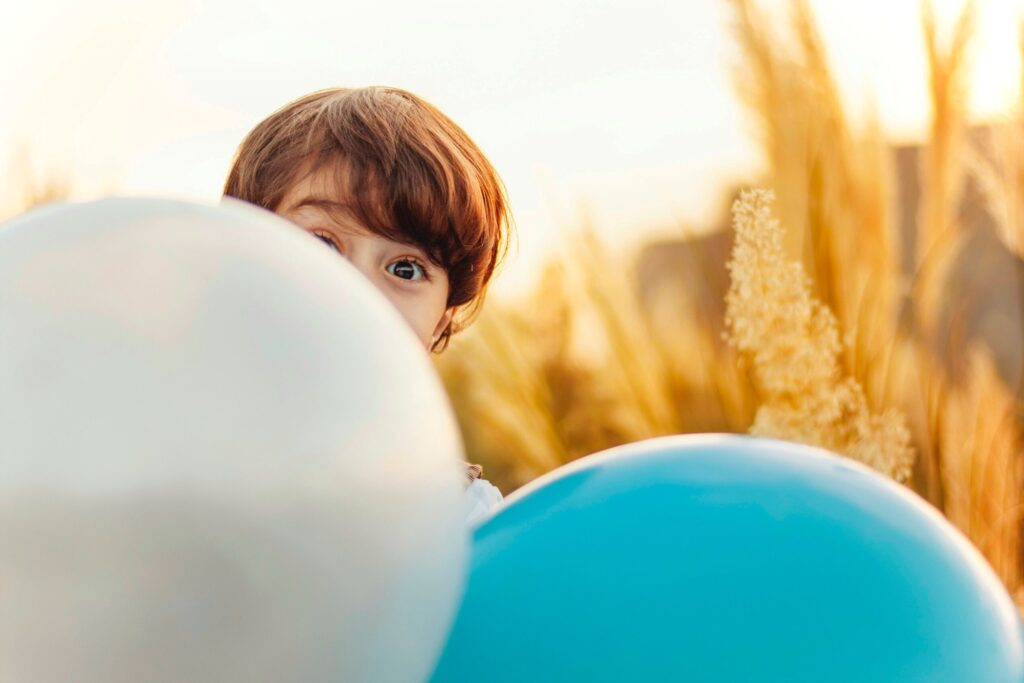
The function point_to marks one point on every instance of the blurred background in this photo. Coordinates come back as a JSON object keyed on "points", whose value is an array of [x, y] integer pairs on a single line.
{"points": [[891, 133]]}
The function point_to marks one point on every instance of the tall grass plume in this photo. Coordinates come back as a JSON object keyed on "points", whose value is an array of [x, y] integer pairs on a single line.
{"points": [[793, 343]]}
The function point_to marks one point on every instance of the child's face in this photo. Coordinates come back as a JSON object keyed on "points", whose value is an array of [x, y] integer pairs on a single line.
{"points": [[417, 287]]}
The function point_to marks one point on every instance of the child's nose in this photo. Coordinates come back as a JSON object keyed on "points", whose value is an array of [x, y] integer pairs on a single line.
{"points": [[364, 263]]}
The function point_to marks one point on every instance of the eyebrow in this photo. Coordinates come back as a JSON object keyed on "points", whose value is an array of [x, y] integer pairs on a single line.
{"points": [[329, 206], [321, 203]]}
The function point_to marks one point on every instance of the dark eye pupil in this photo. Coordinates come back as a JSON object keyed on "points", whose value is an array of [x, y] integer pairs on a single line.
{"points": [[405, 270]]}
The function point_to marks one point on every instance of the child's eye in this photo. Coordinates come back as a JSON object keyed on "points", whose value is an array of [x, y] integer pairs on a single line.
{"points": [[328, 241], [406, 269]]}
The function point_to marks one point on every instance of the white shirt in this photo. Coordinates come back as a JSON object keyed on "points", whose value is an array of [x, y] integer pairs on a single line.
{"points": [[479, 499]]}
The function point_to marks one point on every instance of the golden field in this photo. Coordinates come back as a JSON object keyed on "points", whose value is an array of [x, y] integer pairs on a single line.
{"points": [[832, 310]]}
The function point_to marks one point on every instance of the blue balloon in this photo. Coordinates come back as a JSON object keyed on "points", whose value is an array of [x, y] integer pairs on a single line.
{"points": [[727, 559]]}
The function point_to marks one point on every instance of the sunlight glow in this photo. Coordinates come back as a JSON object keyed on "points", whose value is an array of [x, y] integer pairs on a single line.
{"points": [[625, 108]]}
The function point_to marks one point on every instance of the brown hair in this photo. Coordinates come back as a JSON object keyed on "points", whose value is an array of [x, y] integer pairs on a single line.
{"points": [[407, 172]]}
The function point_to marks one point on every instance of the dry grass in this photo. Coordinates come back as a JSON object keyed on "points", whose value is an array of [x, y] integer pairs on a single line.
{"points": [[997, 162], [30, 186], [793, 342], [939, 232], [833, 185], [577, 367], [835, 344], [982, 469]]}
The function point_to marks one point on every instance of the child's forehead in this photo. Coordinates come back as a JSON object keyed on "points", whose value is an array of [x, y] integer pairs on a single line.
{"points": [[325, 190], [321, 193], [318, 187]]}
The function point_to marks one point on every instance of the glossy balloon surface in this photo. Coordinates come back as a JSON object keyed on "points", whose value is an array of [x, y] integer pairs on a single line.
{"points": [[727, 559], [224, 456]]}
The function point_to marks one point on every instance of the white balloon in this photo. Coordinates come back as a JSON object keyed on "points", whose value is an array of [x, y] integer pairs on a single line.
{"points": [[223, 456]]}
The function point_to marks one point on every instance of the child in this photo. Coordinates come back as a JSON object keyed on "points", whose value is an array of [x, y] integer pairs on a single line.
{"points": [[396, 187]]}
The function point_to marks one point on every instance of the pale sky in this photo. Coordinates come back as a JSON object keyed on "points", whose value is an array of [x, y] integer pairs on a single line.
{"points": [[622, 106]]}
